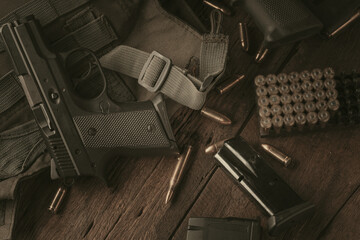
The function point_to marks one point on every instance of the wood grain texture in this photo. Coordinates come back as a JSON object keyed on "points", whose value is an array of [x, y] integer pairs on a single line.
{"points": [[133, 206], [344, 225], [326, 173]]}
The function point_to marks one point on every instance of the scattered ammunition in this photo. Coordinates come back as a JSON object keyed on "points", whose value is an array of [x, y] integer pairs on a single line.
{"points": [[299, 107], [284, 89], [316, 73], [260, 80], [178, 173], [329, 72], [355, 16], [277, 122], [271, 79], [261, 54], [282, 78], [281, 157], [214, 148], [218, 5], [295, 87], [289, 122], [305, 75], [333, 105], [263, 101], [308, 96], [294, 77], [331, 94], [273, 89], [276, 110], [226, 86], [321, 105], [58, 200], [287, 109], [330, 83], [244, 38], [265, 124], [306, 86], [320, 95], [311, 119], [323, 117], [261, 91], [297, 97], [285, 99], [274, 99], [216, 116], [264, 112], [310, 106], [317, 85], [300, 120]]}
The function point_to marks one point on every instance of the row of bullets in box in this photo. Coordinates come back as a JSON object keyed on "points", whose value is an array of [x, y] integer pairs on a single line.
{"points": [[295, 77], [297, 100]]}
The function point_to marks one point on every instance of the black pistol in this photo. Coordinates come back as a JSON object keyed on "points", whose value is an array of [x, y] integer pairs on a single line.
{"points": [[81, 135]]}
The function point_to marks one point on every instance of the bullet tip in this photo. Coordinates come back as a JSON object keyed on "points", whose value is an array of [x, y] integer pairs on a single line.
{"points": [[169, 196], [210, 149]]}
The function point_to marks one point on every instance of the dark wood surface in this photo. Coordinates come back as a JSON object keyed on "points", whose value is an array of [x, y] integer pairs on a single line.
{"points": [[327, 173]]}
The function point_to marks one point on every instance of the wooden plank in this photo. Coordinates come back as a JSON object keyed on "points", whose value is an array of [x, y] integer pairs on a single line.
{"points": [[220, 193], [323, 177], [345, 224], [327, 173], [134, 206]]}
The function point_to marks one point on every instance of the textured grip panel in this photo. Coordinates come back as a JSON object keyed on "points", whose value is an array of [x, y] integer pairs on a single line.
{"points": [[286, 12], [135, 129]]}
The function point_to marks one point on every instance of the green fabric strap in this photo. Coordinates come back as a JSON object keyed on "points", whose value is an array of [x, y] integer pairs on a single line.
{"points": [[10, 91], [44, 10], [157, 74]]}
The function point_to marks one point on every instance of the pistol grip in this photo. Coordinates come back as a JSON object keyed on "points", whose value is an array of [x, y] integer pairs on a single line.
{"points": [[134, 131], [282, 21]]}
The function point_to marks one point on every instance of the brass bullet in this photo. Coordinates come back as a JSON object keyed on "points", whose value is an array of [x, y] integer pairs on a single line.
{"points": [[216, 116], [355, 16], [219, 5], [214, 148], [226, 86], [261, 54], [244, 38], [281, 157], [178, 173], [58, 200]]}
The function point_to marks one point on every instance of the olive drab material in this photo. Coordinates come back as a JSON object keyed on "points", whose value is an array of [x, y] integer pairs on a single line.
{"points": [[105, 27]]}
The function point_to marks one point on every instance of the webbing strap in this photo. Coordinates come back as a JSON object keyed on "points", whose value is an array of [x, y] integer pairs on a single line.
{"points": [[213, 53], [157, 74], [93, 35], [10, 91], [44, 10], [176, 84]]}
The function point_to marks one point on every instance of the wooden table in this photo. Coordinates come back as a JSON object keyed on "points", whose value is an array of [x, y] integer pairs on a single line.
{"points": [[327, 174]]}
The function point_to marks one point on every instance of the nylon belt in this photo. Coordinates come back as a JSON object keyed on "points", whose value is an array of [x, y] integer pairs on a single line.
{"points": [[10, 91], [44, 10], [93, 35], [157, 74]]}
